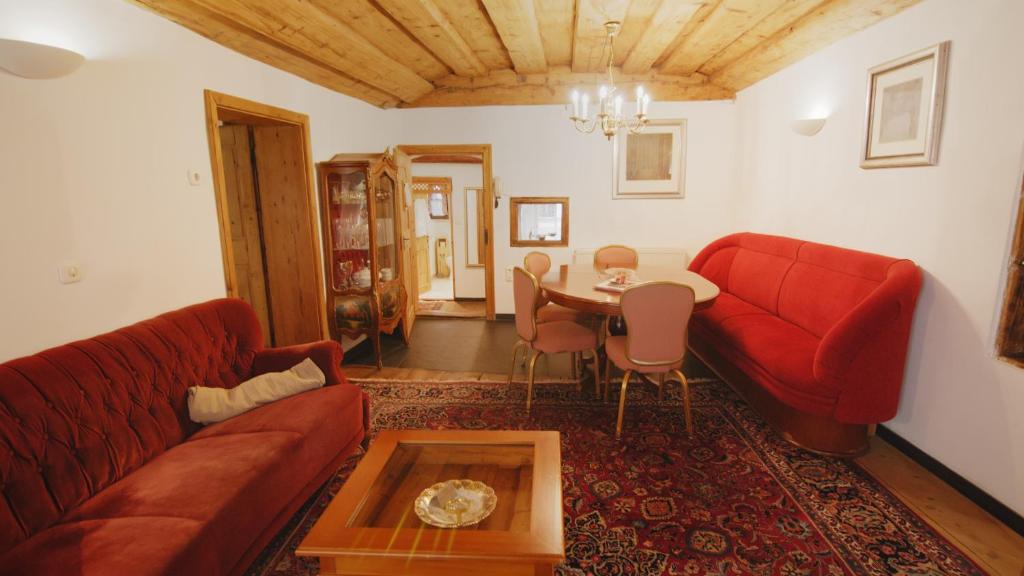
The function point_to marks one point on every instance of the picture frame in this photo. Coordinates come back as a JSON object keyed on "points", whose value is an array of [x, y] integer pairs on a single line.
{"points": [[903, 110], [651, 164]]}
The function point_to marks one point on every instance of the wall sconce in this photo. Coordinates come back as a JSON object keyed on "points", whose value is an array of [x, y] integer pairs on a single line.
{"points": [[808, 126], [37, 61]]}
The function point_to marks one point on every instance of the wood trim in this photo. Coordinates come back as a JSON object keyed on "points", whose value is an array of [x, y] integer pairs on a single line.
{"points": [[447, 159], [484, 152], [481, 207], [1011, 347], [237, 109], [513, 206]]}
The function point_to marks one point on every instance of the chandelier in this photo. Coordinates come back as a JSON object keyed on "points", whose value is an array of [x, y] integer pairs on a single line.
{"points": [[609, 105]]}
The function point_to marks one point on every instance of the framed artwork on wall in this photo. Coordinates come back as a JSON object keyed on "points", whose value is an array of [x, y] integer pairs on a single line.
{"points": [[903, 116], [651, 164]]}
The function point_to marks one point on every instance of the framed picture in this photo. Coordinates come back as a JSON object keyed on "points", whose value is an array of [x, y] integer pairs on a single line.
{"points": [[651, 164], [903, 116]]}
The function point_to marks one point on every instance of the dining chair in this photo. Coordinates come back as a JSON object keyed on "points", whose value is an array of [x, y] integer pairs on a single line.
{"points": [[557, 337], [538, 264], [657, 315], [616, 256]]}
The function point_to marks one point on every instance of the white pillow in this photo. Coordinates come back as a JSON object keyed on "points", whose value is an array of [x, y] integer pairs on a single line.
{"points": [[207, 405]]}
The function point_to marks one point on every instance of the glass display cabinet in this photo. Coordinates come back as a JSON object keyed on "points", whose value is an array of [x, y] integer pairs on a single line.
{"points": [[360, 202]]}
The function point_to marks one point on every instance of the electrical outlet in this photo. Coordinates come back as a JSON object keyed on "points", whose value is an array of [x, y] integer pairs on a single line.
{"points": [[69, 273], [508, 274], [193, 177]]}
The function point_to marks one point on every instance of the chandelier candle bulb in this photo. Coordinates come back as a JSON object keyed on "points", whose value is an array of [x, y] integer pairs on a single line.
{"points": [[584, 113], [618, 107], [646, 105], [575, 104]]}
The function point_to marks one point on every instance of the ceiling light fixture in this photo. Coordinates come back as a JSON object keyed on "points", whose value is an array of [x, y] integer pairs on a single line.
{"points": [[609, 104]]}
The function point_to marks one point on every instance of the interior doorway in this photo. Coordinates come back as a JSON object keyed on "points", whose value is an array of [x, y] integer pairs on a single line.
{"points": [[448, 225], [266, 207]]}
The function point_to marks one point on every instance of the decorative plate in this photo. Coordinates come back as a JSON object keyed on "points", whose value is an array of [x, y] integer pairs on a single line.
{"points": [[456, 503]]}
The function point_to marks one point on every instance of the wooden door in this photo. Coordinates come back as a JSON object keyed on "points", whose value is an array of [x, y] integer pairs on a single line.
{"points": [[289, 241], [409, 246], [243, 209], [423, 263]]}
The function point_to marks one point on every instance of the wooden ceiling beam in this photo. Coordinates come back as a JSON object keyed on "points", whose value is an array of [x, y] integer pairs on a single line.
{"points": [[508, 87], [230, 34], [784, 16], [386, 34], [638, 18], [471, 21], [588, 47], [519, 29], [666, 24], [555, 18], [424, 20], [815, 30], [729, 21], [306, 29]]}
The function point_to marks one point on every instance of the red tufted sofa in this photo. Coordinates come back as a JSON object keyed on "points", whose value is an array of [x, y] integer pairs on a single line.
{"points": [[814, 336], [103, 473]]}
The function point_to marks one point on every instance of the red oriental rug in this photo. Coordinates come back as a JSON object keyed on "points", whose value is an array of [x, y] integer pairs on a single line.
{"points": [[735, 499]]}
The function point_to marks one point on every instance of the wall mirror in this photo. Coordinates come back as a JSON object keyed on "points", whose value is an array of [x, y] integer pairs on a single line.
{"points": [[539, 221], [475, 227]]}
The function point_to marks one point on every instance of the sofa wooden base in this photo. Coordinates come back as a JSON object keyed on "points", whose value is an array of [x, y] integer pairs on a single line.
{"points": [[809, 431]]}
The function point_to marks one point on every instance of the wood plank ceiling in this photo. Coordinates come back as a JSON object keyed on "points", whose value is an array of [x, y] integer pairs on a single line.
{"points": [[410, 53]]}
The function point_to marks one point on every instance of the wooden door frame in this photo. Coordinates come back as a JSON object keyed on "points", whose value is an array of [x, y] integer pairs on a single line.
{"points": [[484, 151], [451, 217], [221, 107]]}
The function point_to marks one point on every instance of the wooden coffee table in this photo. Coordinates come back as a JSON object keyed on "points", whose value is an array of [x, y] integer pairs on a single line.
{"points": [[370, 528]]}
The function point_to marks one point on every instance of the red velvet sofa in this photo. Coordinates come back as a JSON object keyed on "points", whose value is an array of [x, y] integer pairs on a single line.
{"points": [[814, 336], [102, 472]]}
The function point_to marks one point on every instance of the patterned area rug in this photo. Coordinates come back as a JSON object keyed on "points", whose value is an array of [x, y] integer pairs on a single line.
{"points": [[735, 499]]}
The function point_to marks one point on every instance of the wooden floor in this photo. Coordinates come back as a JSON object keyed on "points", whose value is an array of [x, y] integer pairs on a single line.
{"points": [[483, 354]]}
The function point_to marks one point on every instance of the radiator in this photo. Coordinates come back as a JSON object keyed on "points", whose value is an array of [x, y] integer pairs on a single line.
{"points": [[670, 257]]}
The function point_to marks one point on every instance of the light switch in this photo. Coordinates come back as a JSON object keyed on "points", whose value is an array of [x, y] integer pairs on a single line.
{"points": [[69, 273], [193, 177], [508, 274]]}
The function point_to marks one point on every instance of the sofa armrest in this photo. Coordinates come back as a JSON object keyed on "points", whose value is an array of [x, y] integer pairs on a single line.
{"points": [[864, 354], [327, 355]]}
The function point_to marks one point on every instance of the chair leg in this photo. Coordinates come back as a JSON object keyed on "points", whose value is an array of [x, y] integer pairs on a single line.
{"points": [[686, 401], [622, 404], [515, 352], [574, 372], [607, 377], [529, 385], [597, 375], [661, 387]]}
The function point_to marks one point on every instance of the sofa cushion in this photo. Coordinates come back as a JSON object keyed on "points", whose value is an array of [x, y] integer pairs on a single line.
{"points": [[77, 418], [240, 472], [782, 349], [167, 545], [756, 277], [726, 306]]}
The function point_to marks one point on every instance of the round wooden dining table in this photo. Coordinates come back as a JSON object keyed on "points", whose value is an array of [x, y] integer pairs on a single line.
{"points": [[574, 287]]}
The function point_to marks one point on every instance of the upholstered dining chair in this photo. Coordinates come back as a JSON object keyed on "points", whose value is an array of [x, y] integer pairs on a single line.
{"points": [[538, 264], [557, 337], [657, 315], [616, 256]]}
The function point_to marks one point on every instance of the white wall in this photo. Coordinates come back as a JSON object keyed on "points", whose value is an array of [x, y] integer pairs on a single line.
{"points": [[469, 282], [537, 152], [92, 166], [959, 403]]}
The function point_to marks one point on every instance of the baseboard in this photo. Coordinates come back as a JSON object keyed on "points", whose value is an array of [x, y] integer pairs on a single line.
{"points": [[461, 299], [505, 317], [962, 485]]}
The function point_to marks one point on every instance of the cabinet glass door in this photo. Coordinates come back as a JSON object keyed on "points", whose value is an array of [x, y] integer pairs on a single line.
{"points": [[350, 229], [387, 249]]}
